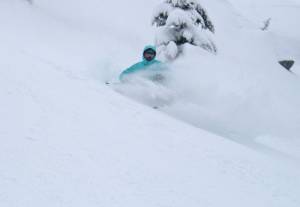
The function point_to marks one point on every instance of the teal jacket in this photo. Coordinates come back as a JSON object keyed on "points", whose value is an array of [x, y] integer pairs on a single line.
{"points": [[142, 66]]}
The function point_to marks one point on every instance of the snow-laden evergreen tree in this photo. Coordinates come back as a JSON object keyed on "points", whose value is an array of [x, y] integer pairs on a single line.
{"points": [[179, 22]]}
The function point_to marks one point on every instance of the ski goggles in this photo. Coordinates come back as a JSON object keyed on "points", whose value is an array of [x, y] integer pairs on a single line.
{"points": [[149, 54]]}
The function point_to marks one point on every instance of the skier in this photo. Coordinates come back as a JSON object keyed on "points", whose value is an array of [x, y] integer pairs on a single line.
{"points": [[149, 64]]}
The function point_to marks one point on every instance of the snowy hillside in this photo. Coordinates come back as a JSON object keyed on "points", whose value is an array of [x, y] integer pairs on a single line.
{"points": [[230, 137]]}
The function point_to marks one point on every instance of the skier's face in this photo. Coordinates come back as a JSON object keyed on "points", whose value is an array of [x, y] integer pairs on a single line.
{"points": [[149, 54]]}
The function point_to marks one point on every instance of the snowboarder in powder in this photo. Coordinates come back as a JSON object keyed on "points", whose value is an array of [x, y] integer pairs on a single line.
{"points": [[148, 65]]}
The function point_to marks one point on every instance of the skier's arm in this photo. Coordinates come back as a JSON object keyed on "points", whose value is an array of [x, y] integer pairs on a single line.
{"points": [[128, 71], [123, 74]]}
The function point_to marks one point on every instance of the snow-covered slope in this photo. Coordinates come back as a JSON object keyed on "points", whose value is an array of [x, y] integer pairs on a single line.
{"points": [[69, 140], [284, 27], [243, 93]]}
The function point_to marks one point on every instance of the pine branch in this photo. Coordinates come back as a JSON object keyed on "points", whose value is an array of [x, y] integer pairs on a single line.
{"points": [[266, 24]]}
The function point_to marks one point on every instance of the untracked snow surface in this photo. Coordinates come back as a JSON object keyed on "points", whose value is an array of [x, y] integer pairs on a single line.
{"points": [[228, 135]]}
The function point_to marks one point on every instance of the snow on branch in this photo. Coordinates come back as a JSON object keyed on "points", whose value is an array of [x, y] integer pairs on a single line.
{"points": [[179, 22]]}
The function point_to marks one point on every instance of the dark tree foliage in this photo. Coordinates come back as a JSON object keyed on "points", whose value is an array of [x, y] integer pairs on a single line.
{"points": [[203, 19]]}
